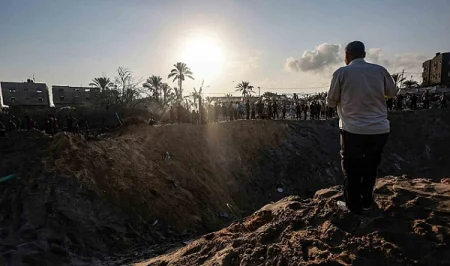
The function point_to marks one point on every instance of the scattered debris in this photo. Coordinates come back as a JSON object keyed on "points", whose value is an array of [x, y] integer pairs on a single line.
{"points": [[342, 205], [8, 177], [187, 242], [165, 155]]}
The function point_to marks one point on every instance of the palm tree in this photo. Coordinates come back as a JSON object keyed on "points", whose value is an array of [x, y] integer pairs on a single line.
{"points": [[188, 103], [398, 78], [179, 73], [102, 82], [153, 84], [245, 88], [166, 91], [195, 95], [410, 83], [198, 95]]}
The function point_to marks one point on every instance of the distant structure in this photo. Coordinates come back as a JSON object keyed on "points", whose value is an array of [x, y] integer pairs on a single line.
{"points": [[225, 99], [24, 93], [67, 95], [436, 71]]}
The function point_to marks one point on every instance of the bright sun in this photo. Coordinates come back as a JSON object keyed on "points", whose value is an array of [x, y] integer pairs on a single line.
{"points": [[204, 56]]}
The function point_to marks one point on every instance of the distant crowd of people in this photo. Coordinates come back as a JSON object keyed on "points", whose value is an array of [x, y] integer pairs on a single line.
{"points": [[50, 124], [411, 101], [294, 110], [300, 110]]}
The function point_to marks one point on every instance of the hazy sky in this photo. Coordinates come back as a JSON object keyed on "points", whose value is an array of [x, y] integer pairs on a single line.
{"points": [[272, 44]]}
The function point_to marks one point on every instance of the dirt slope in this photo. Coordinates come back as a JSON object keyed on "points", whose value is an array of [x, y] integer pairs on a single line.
{"points": [[409, 227], [99, 196]]}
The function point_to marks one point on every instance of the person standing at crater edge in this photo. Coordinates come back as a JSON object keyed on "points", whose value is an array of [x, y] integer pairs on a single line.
{"points": [[358, 91]]}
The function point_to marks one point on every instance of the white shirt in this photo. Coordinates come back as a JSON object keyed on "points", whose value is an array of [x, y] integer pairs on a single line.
{"points": [[358, 90]]}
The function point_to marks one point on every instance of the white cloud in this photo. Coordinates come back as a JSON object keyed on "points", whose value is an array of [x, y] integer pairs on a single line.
{"points": [[328, 56], [323, 56]]}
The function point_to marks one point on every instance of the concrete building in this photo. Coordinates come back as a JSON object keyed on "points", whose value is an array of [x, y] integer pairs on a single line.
{"points": [[426, 73], [66, 95], [24, 93], [439, 70]]}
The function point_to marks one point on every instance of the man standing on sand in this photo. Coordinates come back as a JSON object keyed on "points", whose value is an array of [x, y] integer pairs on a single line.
{"points": [[358, 90]]}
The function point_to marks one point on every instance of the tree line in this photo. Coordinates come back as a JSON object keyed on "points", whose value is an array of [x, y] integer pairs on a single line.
{"points": [[125, 90]]}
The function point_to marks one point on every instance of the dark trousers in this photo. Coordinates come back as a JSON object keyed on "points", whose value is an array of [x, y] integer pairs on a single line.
{"points": [[360, 158]]}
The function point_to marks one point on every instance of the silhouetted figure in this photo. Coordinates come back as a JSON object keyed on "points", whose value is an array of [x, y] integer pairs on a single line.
{"points": [[231, 111], [224, 111], [312, 111], [260, 109], [413, 102], [247, 109], [193, 117], [270, 111], [253, 111], [275, 110], [216, 112], [283, 111], [48, 126], [298, 111], [317, 105], [443, 100], [399, 102], [69, 123], [151, 120], [305, 110], [390, 103], [55, 124], [323, 111], [330, 112], [30, 123], [426, 100]]}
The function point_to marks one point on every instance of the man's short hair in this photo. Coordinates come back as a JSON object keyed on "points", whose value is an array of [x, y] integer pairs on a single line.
{"points": [[356, 48]]}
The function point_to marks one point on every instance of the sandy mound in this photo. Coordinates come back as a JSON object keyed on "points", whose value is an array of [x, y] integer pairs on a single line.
{"points": [[410, 226], [147, 188]]}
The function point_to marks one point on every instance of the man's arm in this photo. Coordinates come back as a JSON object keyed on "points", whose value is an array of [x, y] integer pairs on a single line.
{"points": [[390, 90], [334, 94]]}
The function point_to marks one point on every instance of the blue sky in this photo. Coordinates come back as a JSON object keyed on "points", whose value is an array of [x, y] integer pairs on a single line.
{"points": [[70, 42]]}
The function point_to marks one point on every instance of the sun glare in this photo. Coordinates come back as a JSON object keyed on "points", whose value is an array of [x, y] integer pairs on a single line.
{"points": [[204, 55]]}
